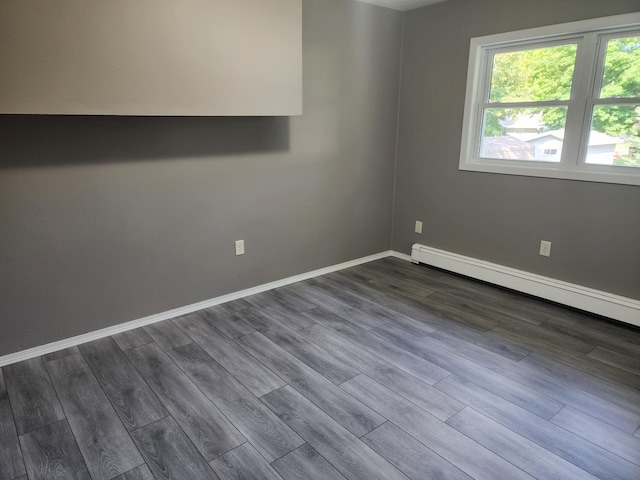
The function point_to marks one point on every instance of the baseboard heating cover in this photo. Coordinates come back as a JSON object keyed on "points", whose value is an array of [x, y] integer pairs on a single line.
{"points": [[588, 299]]}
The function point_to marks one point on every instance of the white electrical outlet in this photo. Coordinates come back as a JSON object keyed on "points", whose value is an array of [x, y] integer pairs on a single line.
{"points": [[239, 247], [545, 248], [418, 226]]}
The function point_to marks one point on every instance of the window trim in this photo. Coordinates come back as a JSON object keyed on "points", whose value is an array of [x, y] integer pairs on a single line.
{"points": [[586, 33]]}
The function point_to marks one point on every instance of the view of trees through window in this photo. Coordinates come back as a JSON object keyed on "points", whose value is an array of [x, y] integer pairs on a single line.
{"points": [[530, 132]]}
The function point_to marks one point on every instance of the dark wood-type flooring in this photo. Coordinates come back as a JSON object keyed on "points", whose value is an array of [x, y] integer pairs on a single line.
{"points": [[386, 371]]}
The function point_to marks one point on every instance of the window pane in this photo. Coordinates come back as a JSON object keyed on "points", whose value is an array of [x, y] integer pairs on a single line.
{"points": [[533, 75], [523, 133], [614, 138], [621, 76]]}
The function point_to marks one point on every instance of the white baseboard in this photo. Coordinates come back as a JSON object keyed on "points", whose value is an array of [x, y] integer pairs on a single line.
{"points": [[595, 301], [176, 312], [401, 256], [588, 299]]}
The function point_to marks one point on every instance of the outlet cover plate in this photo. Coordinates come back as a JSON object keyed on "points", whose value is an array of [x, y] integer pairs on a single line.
{"points": [[239, 247], [545, 248]]}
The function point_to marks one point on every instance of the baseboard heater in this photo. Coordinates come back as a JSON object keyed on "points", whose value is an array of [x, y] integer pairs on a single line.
{"points": [[588, 299]]}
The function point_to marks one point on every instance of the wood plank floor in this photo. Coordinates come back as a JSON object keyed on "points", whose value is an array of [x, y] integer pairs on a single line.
{"points": [[387, 370]]}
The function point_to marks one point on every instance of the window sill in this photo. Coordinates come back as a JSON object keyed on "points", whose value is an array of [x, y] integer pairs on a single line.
{"points": [[557, 172]]}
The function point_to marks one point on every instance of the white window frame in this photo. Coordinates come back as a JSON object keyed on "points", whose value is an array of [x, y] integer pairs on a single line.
{"points": [[591, 36]]}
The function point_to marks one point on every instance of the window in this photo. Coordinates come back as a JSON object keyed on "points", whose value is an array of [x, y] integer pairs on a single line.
{"points": [[560, 101]]}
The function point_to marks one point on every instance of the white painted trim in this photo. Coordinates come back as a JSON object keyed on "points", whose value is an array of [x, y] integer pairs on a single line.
{"points": [[401, 256], [194, 307], [588, 299]]}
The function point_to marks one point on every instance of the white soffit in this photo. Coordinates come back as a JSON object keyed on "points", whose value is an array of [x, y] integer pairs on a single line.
{"points": [[402, 4]]}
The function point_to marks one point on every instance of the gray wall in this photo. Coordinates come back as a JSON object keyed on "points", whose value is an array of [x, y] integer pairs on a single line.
{"points": [[108, 219], [151, 57], [594, 227]]}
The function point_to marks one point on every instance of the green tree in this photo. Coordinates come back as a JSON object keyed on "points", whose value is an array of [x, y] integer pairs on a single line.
{"points": [[541, 74], [537, 74], [621, 79], [622, 68]]}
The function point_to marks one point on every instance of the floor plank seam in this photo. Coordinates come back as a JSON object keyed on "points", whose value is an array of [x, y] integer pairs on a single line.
{"points": [[479, 365]]}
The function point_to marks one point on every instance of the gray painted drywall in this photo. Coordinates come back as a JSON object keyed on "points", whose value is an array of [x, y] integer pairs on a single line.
{"points": [[594, 228], [151, 57], [107, 219]]}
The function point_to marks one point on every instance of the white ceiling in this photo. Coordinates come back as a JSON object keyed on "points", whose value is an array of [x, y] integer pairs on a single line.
{"points": [[402, 4]]}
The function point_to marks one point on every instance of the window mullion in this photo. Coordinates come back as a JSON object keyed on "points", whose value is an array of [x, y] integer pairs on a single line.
{"points": [[617, 101], [546, 103], [576, 135]]}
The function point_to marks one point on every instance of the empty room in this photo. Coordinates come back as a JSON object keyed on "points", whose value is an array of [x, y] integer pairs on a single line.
{"points": [[319, 239]]}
